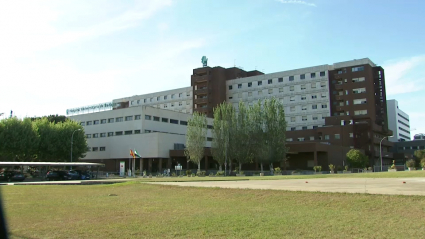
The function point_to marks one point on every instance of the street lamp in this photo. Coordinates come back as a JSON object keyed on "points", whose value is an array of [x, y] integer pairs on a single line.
{"points": [[380, 148], [72, 139]]}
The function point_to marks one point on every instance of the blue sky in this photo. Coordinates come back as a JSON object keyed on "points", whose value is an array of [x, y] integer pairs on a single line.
{"points": [[56, 55]]}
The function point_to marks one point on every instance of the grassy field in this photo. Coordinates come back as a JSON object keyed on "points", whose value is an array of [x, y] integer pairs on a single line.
{"points": [[152, 211], [403, 174]]}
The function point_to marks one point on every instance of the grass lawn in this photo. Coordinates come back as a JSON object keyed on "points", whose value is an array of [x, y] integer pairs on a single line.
{"points": [[154, 211], [402, 174]]}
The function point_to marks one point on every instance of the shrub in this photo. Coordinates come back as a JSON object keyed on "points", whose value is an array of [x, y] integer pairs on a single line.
{"points": [[277, 170], [346, 167], [423, 163], [410, 163], [144, 172], [338, 168], [193, 175], [357, 159], [331, 167], [220, 173], [370, 168], [201, 173], [188, 172], [173, 174], [241, 172], [211, 174]]}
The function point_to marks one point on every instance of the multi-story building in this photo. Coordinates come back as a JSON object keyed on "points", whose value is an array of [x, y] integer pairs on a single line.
{"points": [[329, 108], [398, 122], [408, 148]]}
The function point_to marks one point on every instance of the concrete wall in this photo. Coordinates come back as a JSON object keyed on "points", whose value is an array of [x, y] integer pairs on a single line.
{"points": [[398, 122]]}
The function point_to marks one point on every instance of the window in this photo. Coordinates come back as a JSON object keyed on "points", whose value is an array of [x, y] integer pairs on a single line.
{"points": [[323, 84], [304, 107], [291, 88], [249, 84], [311, 137], [291, 78], [359, 101], [119, 119], [88, 136], [110, 134], [323, 95], [357, 68], [289, 139], [270, 81], [128, 118], [293, 119], [137, 131], [351, 135], [280, 80], [280, 90], [313, 75], [314, 107], [324, 106], [183, 122], [157, 98], [102, 135], [326, 137], [180, 95], [293, 128], [292, 108], [96, 122], [165, 97], [89, 122], [302, 76], [137, 117], [322, 73], [230, 97], [128, 132], [180, 103], [103, 121], [173, 121], [347, 102], [95, 149], [303, 87], [210, 127], [172, 104], [292, 98], [304, 118], [230, 87], [164, 120], [313, 85], [337, 136], [359, 90], [102, 148], [360, 79], [315, 126], [155, 118], [249, 93], [315, 117], [239, 86], [270, 91], [83, 123], [148, 117], [172, 96], [209, 139], [360, 112], [304, 127], [147, 131], [259, 83], [300, 139], [118, 133], [314, 96], [187, 93], [303, 97]]}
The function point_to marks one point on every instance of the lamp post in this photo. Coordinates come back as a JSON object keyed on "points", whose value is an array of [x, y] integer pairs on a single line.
{"points": [[380, 149], [72, 141]]}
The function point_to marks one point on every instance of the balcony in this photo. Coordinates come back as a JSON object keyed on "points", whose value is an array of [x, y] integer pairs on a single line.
{"points": [[201, 92], [201, 101], [199, 79], [338, 87]]}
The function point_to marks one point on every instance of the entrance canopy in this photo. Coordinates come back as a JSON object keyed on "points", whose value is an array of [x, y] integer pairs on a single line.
{"points": [[50, 164]]}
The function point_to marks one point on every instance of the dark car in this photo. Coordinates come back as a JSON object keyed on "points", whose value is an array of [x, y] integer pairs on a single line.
{"points": [[83, 175], [61, 175], [12, 176]]}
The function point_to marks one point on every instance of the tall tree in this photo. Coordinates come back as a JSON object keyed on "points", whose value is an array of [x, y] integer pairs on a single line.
{"points": [[243, 136], [196, 138], [219, 137], [419, 154]]}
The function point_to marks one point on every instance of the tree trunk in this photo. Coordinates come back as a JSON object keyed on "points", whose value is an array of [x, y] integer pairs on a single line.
{"points": [[230, 168], [240, 167], [261, 167], [199, 166], [271, 168], [219, 168]]}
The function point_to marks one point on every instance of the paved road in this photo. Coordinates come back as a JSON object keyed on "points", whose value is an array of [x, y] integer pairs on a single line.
{"points": [[394, 186]]}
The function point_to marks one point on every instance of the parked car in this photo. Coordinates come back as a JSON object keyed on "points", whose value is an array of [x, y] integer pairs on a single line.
{"points": [[62, 175], [84, 175], [12, 176]]}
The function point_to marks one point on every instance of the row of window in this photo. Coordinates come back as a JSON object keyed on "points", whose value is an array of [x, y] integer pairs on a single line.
{"points": [[305, 118], [406, 131], [411, 147], [158, 98], [111, 120], [354, 91], [326, 137], [95, 149], [401, 122], [353, 69], [401, 116], [354, 80], [291, 88], [291, 98]]}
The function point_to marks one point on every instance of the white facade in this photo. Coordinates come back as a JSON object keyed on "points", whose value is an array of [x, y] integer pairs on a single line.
{"points": [[152, 132], [398, 122], [179, 100], [304, 92]]}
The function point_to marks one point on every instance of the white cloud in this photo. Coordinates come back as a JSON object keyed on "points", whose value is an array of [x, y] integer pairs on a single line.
{"points": [[298, 2], [405, 75]]}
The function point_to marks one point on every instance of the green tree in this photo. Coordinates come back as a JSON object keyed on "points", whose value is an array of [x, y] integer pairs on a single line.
{"points": [[51, 118], [196, 138], [242, 136], [357, 159], [419, 154], [220, 135], [18, 139]]}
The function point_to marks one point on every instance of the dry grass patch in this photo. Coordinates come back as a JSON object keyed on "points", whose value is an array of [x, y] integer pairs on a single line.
{"points": [[156, 211]]}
